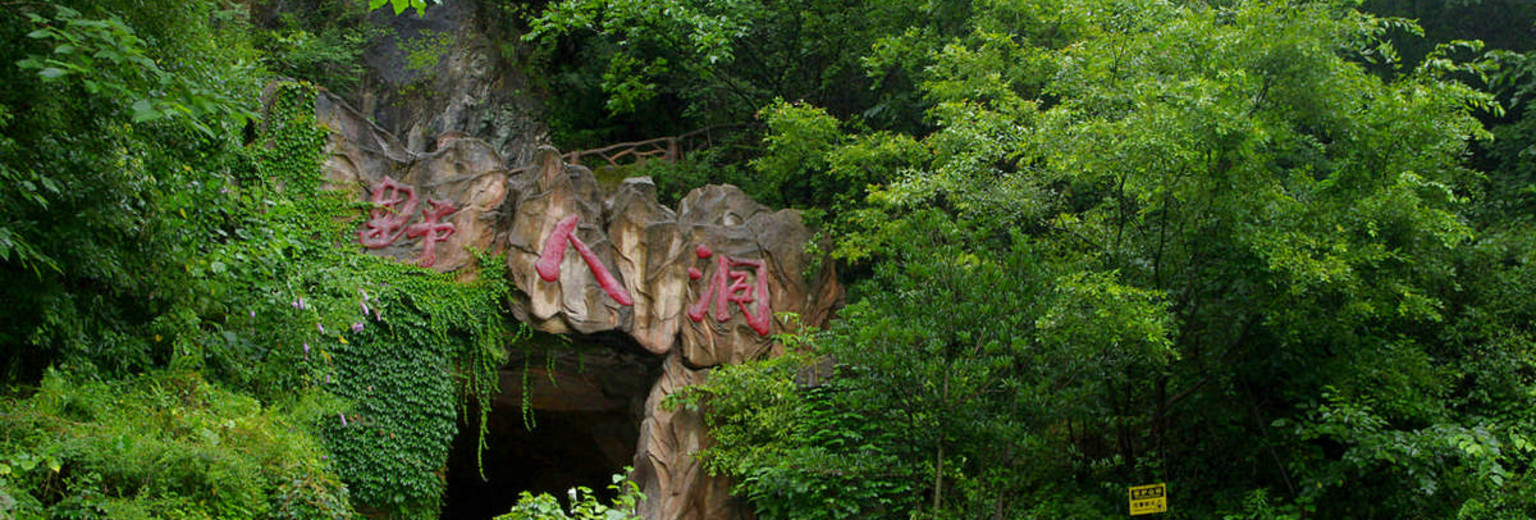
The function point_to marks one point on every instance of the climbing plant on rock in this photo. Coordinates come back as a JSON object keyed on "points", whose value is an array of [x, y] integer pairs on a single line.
{"points": [[402, 345], [427, 344]]}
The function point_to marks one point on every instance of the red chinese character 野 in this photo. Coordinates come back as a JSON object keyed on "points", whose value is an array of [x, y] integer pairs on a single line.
{"points": [[393, 205], [727, 286], [554, 253]]}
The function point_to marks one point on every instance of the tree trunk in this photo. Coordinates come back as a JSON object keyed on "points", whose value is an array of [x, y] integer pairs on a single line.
{"points": [[938, 466]]}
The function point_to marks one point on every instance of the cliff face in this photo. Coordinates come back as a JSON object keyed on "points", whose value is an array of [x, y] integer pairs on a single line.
{"points": [[451, 71], [694, 287], [447, 72]]}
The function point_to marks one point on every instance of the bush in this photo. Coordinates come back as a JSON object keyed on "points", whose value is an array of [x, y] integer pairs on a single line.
{"points": [[160, 445], [584, 505]]}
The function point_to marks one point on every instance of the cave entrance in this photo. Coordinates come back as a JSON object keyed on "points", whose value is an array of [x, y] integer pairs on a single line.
{"points": [[587, 397]]}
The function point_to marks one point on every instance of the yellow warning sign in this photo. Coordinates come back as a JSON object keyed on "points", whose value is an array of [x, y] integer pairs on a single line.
{"points": [[1146, 500]]}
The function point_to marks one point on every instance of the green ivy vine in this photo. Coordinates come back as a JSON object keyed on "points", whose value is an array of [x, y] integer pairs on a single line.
{"points": [[407, 348]]}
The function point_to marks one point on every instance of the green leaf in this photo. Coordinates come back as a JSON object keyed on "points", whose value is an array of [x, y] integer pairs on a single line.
{"points": [[143, 110], [51, 73]]}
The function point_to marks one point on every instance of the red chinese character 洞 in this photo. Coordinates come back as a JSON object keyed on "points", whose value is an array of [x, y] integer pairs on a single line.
{"points": [[433, 230], [554, 253], [727, 286], [393, 204]]}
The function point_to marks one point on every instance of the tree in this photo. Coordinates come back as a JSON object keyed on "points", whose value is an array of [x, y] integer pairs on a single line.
{"points": [[1246, 233], [723, 61], [98, 135]]}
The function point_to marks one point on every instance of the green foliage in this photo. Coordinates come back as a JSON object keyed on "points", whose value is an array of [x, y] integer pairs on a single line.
{"points": [[796, 146], [160, 445], [422, 54], [1509, 193], [1258, 506], [402, 372], [806, 162], [404, 345], [584, 505], [675, 180], [107, 141], [1142, 234], [723, 61], [108, 59], [401, 5], [794, 453], [143, 240], [939, 373], [318, 42]]}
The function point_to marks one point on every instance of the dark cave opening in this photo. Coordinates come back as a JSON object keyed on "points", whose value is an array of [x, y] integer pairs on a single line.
{"points": [[587, 398]]}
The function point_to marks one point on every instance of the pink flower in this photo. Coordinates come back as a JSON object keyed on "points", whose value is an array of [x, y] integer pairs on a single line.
{"points": [[306, 349], [253, 313], [357, 327], [343, 418], [321, 327]]}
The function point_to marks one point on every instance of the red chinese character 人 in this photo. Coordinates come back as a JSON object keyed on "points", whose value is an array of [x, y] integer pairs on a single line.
{"points": [[728, 286], [554, 253]]}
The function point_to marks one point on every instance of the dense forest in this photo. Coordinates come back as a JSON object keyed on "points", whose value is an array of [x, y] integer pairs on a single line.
{"points": [[1279, 255]]}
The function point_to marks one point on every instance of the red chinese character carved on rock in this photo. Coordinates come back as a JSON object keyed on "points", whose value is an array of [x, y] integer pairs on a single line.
{"points": [[727, 286], [554, 253], [433, 230], [393, 205]]}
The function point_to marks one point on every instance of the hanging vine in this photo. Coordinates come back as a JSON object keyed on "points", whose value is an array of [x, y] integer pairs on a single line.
{"points": [[406, 347]]}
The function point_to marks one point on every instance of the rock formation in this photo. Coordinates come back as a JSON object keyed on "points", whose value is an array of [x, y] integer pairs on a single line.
{"points": [[700, 286], [465, 174], [449, 69]]}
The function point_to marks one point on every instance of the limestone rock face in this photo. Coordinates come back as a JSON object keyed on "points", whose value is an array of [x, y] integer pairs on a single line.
{"points": [[727, 225], [431, 208], [676, 486], [707, 279], [700, 285], [444, 71], [451, 68], [697, 287]]}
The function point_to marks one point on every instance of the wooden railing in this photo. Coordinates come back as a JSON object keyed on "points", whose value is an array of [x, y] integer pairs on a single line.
{"points": [[665, 148], [670, 149]]}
